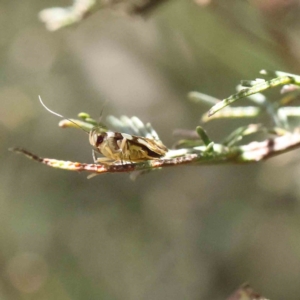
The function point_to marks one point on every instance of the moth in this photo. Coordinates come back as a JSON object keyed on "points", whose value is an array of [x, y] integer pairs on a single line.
{"points": [[116, 146], [120, 147]]}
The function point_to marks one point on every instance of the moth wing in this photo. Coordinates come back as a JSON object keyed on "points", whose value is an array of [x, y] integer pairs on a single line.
{"points": [[153, 145]]}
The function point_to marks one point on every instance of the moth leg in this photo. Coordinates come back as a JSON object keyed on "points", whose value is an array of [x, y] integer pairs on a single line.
{"points": [[104, 160], [94, 156], [123, 143], [127, 150], [92, 175], [123, 148]]}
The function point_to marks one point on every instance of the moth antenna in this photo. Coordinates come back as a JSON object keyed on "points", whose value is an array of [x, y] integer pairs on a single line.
{"points": [[51, 111], [61, 116], [101, 112]]}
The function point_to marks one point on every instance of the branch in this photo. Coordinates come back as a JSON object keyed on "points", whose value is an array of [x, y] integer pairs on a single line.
{"points": [[245, 292], [58, 17], [258, 85], [198, 148], [252, 152]]}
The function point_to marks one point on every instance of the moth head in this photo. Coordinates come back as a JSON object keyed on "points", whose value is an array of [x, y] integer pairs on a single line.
{"points": [[97, 137]]}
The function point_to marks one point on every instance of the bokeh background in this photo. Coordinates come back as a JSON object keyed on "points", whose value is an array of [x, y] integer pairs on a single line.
{"points": [[179, 233]]}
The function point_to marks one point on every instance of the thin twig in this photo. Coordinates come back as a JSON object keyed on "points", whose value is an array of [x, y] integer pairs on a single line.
{"points": [[252, 152]]}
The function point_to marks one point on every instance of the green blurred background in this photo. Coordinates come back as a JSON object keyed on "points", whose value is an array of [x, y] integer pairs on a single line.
{"points": [[180, 233]]}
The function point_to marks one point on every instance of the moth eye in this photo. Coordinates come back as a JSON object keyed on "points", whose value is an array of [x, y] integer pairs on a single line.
{"points": [[99, 139]]}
